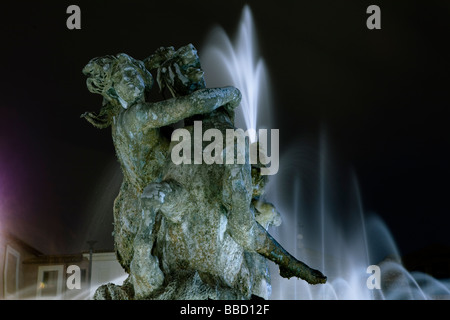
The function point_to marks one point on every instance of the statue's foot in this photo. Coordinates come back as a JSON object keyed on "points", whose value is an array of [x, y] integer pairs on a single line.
{"points": [[110, 291], [300, 270]]}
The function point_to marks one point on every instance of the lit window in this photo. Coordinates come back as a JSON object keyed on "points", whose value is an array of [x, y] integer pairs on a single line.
{"points": [[50, 280]]}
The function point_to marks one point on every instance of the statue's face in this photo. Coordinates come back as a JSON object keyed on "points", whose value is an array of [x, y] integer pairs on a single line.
{"points": [[119, 79], [182, 73]]}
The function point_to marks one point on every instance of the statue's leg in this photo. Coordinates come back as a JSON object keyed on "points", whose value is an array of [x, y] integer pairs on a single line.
{"points": [[146, 276], [125, 225], [247, 232]]}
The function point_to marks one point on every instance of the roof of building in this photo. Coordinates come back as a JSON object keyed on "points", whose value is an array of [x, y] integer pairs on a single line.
{"points": [[12, 237], [54, 259]]}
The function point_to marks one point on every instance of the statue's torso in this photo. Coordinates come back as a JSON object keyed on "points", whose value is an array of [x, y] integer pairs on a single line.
{"points": [[142, 154]]}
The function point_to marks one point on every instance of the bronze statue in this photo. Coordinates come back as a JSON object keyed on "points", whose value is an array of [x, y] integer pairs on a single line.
{"points": [[182, 231]]}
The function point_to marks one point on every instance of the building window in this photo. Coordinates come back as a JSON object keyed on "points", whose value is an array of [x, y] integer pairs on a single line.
{"points": [[11, 273], [50, 281], [83, 276]]}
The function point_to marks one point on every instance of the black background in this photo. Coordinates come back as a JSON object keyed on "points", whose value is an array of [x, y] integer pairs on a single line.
{"points": [[381, 94]]}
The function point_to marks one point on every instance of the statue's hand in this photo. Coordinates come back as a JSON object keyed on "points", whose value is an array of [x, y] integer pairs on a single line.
{"points": [[168, 197], [229, 107], [155, 194], [266, 214]]}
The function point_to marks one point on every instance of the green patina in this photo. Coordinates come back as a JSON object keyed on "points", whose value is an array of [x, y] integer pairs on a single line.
{"points": [[182, 231]]}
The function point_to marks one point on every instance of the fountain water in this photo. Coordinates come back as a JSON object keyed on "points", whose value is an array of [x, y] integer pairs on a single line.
{"points": [[319, 227], [225, 57]]}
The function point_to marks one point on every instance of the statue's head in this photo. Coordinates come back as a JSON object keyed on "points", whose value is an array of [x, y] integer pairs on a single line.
{"points": [[178, 71], [120, 79]]}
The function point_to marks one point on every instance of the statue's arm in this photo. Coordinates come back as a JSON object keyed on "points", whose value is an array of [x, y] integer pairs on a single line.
{"points": [[166, 112]]}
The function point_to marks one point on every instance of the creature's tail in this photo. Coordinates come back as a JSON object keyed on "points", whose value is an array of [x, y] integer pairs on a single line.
{"points": [[289, 266]]}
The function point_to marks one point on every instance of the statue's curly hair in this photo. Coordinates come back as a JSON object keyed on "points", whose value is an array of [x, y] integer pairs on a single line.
{"points": [[104, 75], [179, 71]]}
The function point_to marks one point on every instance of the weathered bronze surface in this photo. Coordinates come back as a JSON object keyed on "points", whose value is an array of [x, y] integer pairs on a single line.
{"points": [[186, 231]]}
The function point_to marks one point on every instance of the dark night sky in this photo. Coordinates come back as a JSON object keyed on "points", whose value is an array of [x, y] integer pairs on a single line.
{"points": [[382, 96]]}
